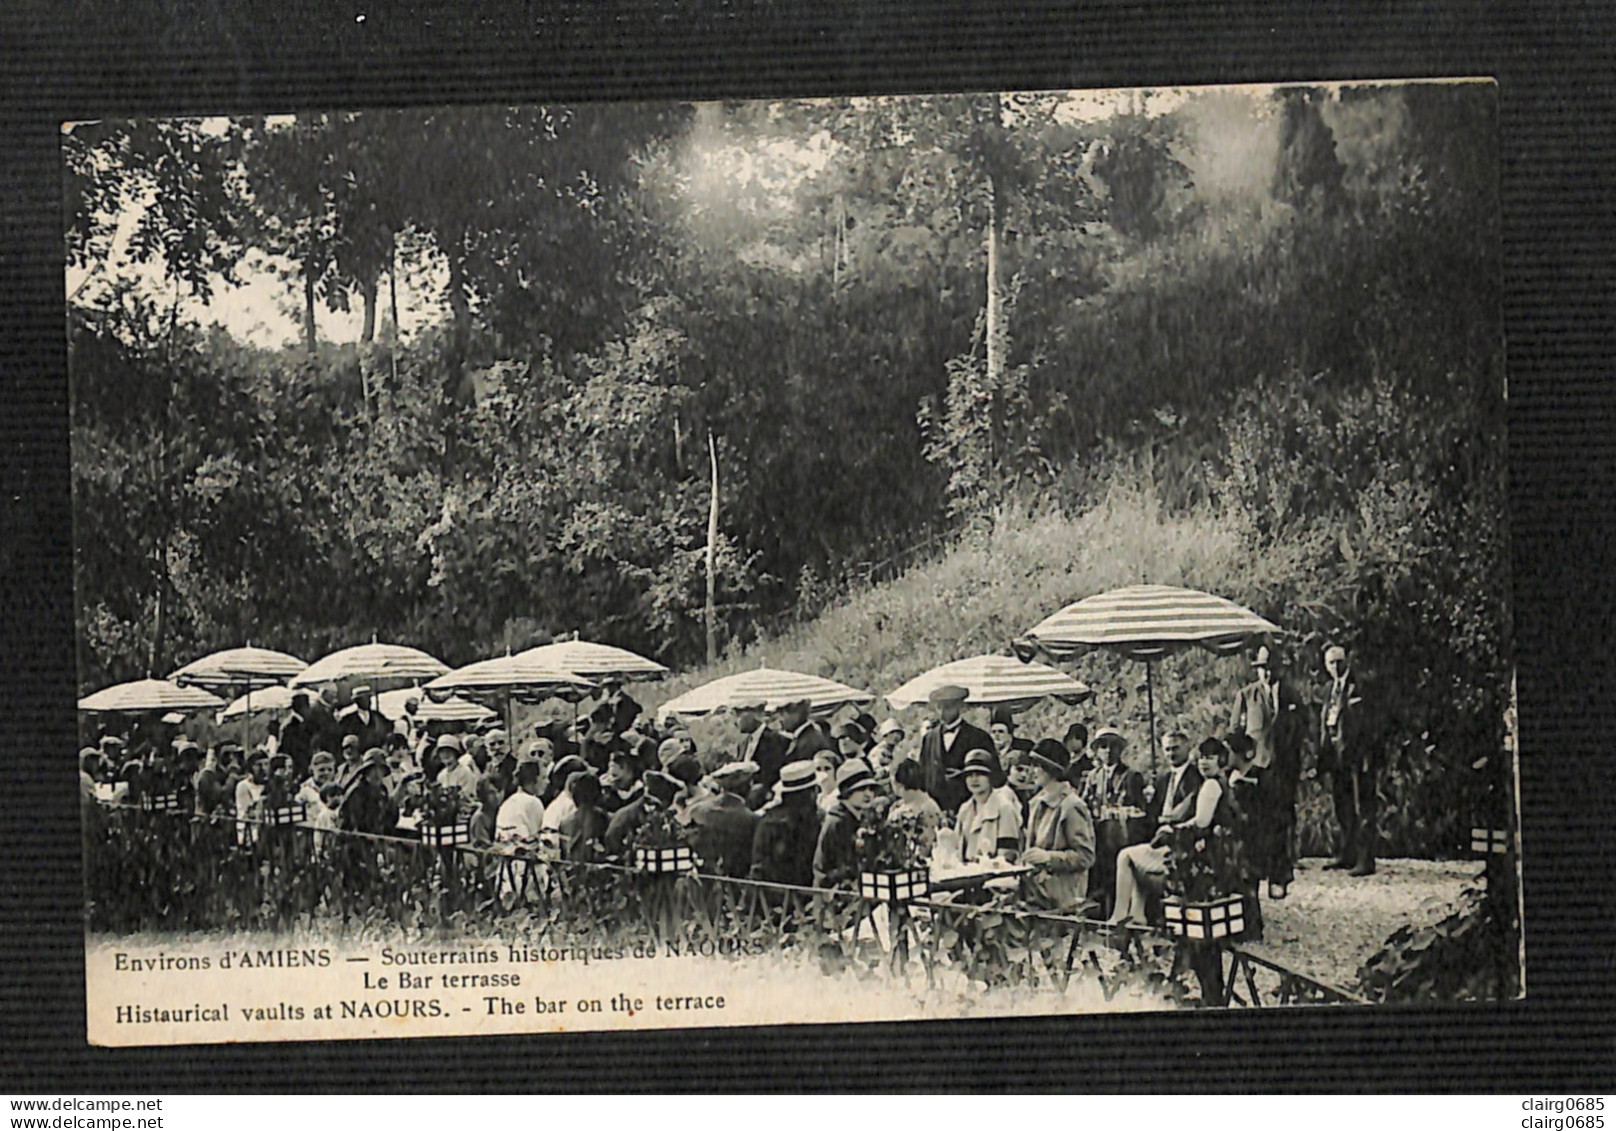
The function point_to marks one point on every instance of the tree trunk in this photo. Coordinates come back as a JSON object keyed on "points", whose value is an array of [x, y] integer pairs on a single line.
{"points": [[367, 291], [308, 307], [367, 334], [160, 621], [841, 234], [392, 299], [995, 331], [457, 386], [712, 551]]}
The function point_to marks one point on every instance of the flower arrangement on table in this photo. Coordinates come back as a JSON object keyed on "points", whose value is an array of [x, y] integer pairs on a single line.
{"points": [[661, 844], [893, 859], [279, 804], [445, 816]]}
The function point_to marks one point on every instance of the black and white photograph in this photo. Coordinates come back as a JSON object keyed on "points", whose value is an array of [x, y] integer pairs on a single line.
{"points": [[643, 565]]}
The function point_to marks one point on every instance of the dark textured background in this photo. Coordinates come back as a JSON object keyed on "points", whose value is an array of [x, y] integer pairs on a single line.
{"points": [[1554, 62]]}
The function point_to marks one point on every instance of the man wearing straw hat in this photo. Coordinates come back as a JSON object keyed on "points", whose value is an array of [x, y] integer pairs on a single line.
{"points": [[788, 831], [944, 747]]}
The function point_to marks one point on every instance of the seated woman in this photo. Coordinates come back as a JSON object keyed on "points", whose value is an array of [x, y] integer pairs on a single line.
{"points": [[1251, 840], [912, 801], [1060, 835], [989, 822], [584, 829], [1207, 858], [1142, 869]]}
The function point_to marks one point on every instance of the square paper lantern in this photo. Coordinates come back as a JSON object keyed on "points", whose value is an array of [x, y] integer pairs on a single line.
{"points": [[663, 861], [446, 836], [293, 813], [895, 886], [1216, 919]]}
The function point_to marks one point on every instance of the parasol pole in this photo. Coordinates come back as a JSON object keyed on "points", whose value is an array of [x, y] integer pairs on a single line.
{"points": [[1150, 706]]}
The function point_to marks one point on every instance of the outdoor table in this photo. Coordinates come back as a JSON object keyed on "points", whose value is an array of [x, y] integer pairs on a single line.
{"points": [[975, 878]]}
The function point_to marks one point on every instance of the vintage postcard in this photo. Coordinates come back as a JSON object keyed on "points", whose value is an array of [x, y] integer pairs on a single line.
{"points": [[629, 566]]}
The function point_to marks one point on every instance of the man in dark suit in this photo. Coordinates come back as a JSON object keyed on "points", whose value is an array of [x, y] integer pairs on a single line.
{"points": [[764, 746], [788, 833], [944, 746], [363, 720], [1171, 798], [657, 796], [1347, 751], [296, 737], [1268, 712], [324, 730], [721, 826], [806, 737], [1002, 730], [615, 708], [599, 743]]}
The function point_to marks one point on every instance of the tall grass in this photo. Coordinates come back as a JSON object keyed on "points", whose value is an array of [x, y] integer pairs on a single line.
{"points": [[996, 583]]}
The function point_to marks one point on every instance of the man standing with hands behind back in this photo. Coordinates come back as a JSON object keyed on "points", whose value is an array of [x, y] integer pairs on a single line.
{"points": [[944, 746], [1347, 749], [1268, 712]]}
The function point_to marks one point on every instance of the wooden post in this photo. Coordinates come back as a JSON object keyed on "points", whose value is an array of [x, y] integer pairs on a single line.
{"points": [[712, 551], [1150, 706], [392, 298]]}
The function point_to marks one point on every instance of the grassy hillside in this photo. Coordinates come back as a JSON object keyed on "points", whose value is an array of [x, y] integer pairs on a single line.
{"points": [[992, 586]]}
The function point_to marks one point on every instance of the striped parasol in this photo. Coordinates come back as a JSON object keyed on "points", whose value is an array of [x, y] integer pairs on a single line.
{"points": [[149, 695], [453, 710], [1147, 622], [519, 677], [768, 687], [506, 680], [595, 661], [257, 702], [382, 666], [240, 667], [992, 681]]}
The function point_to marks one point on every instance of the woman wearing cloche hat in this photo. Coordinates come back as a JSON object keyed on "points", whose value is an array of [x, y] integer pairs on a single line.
{"points": [[836, 862], [989, 820], [1059, 835]]}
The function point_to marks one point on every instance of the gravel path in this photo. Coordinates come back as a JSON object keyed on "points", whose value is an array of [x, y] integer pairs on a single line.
{"points": [[1330, 923]]}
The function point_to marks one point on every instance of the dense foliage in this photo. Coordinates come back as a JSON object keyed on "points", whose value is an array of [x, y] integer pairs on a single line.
{"points": [[1272, 314]]}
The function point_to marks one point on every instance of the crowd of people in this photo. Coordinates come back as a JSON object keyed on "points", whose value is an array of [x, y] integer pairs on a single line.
{"points": [[794, 801]]}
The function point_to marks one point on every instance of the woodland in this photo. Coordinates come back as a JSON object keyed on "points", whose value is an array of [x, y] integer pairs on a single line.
{"points": [[898, 328]]}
